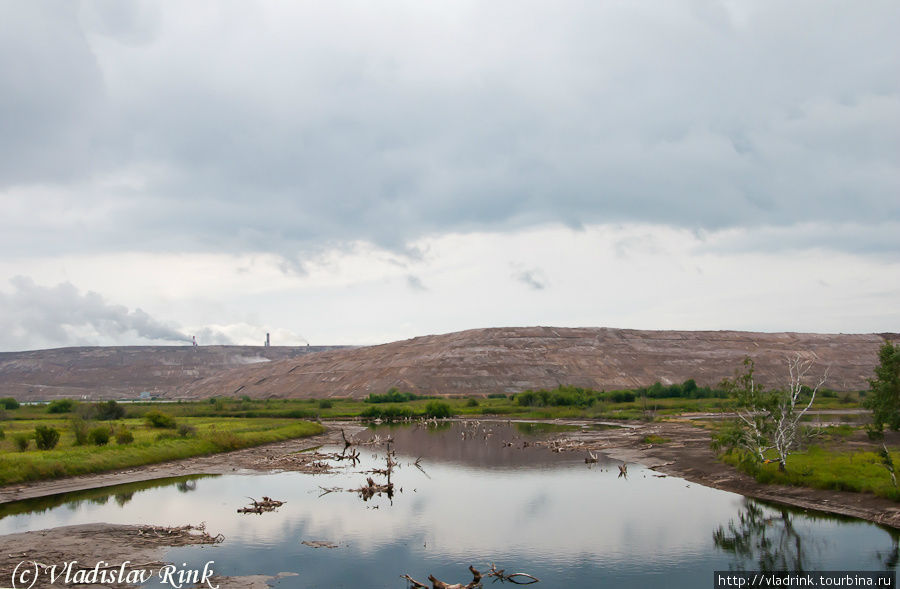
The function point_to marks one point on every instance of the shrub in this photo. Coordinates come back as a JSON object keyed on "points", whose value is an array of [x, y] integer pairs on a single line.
{"points": [[110, 410], [392, 396], [437, 409], [472, 403], [61, 406], [225, 440], [159, 419], [497, 396], [21, 441], [185, 430], [326, 404], [80, 429], [9, 403], [99, 436], [391, 413], [124, 436], [45, 438]]}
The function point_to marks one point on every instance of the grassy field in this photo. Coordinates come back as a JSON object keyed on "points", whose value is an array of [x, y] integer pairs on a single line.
{"points": [[221, 424], [194, 436], [823, 468]]}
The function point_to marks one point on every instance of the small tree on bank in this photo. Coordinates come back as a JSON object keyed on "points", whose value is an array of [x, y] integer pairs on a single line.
{"points": [[769, 420], [884, 399]]}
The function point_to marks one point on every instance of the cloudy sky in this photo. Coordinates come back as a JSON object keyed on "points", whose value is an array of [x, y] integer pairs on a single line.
{"points": [[360, 172]]}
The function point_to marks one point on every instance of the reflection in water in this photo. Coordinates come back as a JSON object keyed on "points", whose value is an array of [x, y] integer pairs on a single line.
{"points": [[474, 499], [769, 540], [892, 556], [121, 494], [770, 537], [186, 486]]}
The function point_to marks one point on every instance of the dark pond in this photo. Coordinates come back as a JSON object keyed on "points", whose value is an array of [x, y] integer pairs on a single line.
{"points": [[477, 501]]}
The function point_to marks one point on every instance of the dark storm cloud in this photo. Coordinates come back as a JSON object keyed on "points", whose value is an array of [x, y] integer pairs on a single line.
{"points": [[275, 127], [32, 315]]}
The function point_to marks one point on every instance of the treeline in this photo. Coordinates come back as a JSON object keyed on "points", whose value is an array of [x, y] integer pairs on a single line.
{"points": [[572, 396]]}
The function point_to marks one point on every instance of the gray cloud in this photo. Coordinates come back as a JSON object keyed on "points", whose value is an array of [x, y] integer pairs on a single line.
{"points": [[34, 316], [533, 279], [281, 128], [415, 283]]}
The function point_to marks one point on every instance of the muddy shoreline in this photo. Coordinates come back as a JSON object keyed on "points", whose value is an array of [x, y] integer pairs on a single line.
{"points": [[686, 454]]}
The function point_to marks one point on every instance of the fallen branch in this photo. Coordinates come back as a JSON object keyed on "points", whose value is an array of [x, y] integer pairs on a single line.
{"points": [[495, 573]]}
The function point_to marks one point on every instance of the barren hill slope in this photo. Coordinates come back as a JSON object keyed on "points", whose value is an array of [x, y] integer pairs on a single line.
{"points": [[508, 360], [125, 372]]}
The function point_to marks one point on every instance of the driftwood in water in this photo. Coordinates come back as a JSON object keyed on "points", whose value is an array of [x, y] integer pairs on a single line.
{"points": [[181, 535], [267, 504], [371, 489], [495, 573], [591, 458]]}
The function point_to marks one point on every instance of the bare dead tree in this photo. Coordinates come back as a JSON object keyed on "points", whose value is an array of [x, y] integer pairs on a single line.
{"points": [[770, 420]]}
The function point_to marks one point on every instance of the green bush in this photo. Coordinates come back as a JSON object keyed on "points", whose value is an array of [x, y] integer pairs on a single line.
{"points": [[124, 436], [9, 403], [326, 404], [80, 430], [61, 406], [497, 396], [187, 431], [110, 410], [159, 419], [99, 436], [391, 413], [438, 409], [45, 438], [21, 441], [472, 403], [392, 396], [226, 440]]}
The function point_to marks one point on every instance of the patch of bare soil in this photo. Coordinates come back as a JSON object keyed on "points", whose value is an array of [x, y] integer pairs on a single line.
{"points": [[97, 553], [688, 455]]}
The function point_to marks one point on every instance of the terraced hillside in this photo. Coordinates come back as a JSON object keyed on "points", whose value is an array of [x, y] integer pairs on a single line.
{"points": [[126, 372], [483, 361]]}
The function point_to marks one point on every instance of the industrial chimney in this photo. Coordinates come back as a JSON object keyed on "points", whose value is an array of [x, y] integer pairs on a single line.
{"points": [[267, 340]]}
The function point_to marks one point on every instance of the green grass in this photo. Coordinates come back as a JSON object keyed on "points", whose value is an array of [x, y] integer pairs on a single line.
{"points": [[819, 468], [654, 439], [212, 435], [340, 408]]}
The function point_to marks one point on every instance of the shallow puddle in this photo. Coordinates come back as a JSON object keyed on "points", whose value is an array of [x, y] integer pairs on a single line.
{"points": [[484, 494]]}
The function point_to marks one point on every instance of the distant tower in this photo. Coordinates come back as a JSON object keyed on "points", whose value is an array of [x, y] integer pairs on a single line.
{"points": [[194, 340], [268, 343]]}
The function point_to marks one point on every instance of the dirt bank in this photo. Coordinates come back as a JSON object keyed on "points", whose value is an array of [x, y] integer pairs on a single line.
{"points": [[97, 553], [687, 454]]}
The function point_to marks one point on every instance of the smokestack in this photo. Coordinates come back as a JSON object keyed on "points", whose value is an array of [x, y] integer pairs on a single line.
{"points": [[268, 343]]}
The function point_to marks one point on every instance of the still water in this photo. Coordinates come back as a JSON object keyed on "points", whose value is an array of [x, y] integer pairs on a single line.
{"points": [[476, 500]]}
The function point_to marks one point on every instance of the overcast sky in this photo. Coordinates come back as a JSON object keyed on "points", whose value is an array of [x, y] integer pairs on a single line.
{"points": [[359, 172]]}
